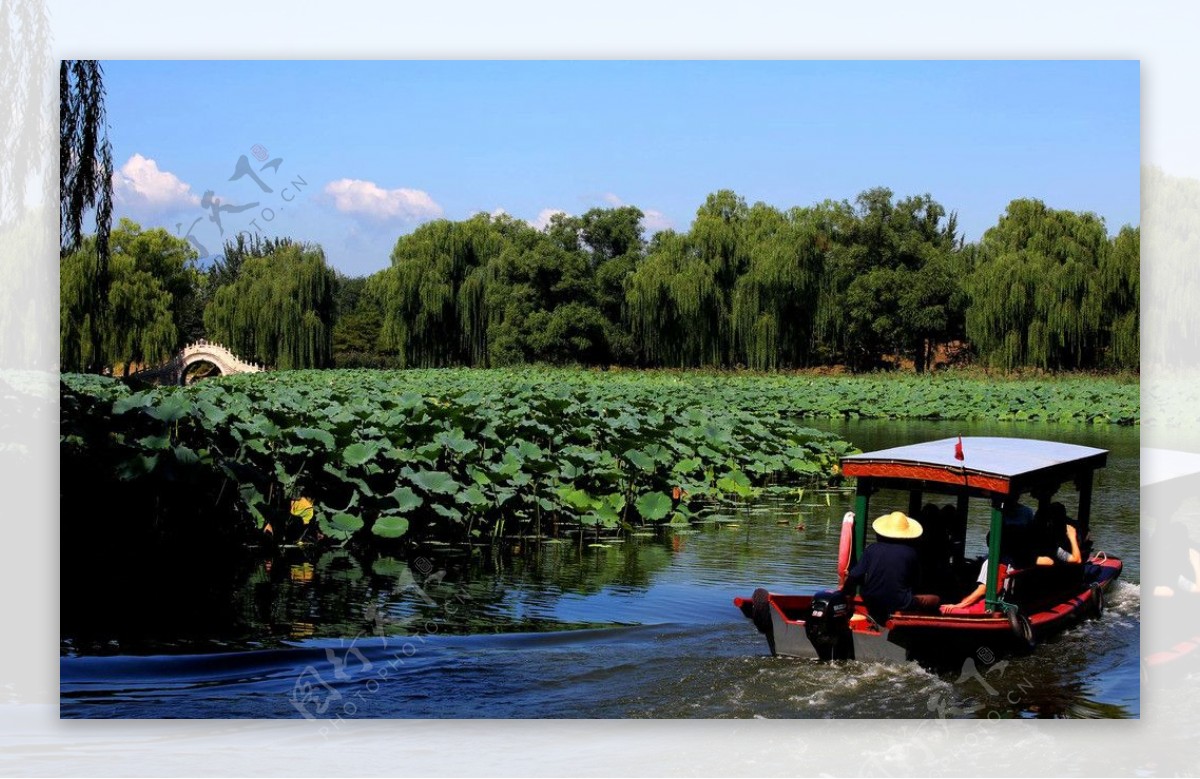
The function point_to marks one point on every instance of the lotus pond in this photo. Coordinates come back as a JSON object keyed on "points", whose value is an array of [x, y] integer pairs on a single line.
{"points": [[578, 595], [467, 454]]}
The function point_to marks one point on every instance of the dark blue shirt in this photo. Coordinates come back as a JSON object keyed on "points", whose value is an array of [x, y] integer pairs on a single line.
{"points": [[887, 572]]}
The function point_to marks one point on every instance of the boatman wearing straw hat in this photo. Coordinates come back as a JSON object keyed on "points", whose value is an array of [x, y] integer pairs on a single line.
{"points": [[887, 571]]}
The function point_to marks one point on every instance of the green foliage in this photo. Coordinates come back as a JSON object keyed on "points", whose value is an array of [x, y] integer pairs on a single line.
{"points": [[228, 267], [85, 155], [454, 454], [1117, 294], [151, 305], [390, 527], [494, 291], [675, 306], [459, 454], [141, 328], [171, 261], [873, 284], [434, 295], [341, 526], [865, 285], [85, 186], [1049, 290], [81, 326], [357, 325], [898, 276], [279, 310], [772, 312], [654, 506]]}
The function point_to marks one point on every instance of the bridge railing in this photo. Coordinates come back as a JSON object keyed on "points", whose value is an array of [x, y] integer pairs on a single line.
{"points": [[222, 351]]}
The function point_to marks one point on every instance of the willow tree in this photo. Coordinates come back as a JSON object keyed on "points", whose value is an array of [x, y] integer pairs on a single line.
{"points": [[717, 235], [138, 326], [148, 310], [420, 292], [171, 261], [774, 301], [80, 330], [279, 311], [1116, 293], [85, 174], [85, 157], [679, 299], [477, 312], [228, 266], [830, 223], [676, 307], [142, 325], [1030, 288]]}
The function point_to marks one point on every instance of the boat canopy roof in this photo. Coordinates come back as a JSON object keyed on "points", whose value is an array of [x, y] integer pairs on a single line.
{"points": [[991, 465]]}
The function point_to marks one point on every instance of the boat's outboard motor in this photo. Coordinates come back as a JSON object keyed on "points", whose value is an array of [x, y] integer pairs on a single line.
{"points": [[828, 626]]}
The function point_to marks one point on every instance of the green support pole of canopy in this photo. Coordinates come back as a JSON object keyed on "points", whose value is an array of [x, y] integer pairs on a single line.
{"points": [[993, 574], [860, 521]]}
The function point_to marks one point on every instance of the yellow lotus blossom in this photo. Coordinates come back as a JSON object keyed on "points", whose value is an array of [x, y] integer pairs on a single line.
{"points": [[303, 508]]}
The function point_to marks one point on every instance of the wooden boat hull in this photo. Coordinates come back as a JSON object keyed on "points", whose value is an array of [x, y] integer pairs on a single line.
{"points": [[930, 638]]}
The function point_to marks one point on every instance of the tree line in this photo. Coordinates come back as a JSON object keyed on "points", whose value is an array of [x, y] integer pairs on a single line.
{"points": [[878, 282]]}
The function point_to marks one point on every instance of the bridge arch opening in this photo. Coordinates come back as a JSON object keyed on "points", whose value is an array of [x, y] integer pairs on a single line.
{"points": [[197, 370]]}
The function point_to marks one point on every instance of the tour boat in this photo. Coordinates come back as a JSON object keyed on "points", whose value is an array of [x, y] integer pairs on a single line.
{"points": [[1023, 602]]}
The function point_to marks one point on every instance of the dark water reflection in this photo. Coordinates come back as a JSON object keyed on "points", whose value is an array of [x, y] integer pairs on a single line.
{"points": [[642, 627]]}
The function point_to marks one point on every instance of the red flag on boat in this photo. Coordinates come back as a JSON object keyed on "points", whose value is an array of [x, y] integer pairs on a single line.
{"points": [[958, 452]]}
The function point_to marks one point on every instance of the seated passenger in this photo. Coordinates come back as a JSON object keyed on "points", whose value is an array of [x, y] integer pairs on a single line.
{"points": [[1061, 542], [976, 595], [888, 569], [971, 603], [1019, 534]]}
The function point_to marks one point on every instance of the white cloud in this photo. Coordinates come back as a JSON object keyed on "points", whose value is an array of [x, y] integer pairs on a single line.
{"points": [[543, 217], [612, 200], [366, 198], [655, 221], [141, 188]]}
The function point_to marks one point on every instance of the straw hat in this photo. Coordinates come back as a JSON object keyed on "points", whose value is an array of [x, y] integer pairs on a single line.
{"points": [[897, 525]]}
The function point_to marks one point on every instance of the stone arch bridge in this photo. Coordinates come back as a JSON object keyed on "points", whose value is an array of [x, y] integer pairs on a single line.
{"points": [[175, 370]]}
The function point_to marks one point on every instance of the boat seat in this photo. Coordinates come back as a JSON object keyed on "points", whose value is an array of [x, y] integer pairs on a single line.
{"points": [[1041, 581], [978, 607]]}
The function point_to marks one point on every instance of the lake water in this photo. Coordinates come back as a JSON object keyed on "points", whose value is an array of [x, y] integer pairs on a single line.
{"points": [[643, 627]]}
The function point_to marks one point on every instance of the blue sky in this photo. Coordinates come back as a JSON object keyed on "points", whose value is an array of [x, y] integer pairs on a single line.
{"points": [[384, 146]]}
